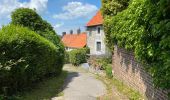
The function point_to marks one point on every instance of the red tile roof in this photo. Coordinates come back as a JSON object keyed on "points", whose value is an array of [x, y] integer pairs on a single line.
{"points": [[96, 20], [75, 40]]}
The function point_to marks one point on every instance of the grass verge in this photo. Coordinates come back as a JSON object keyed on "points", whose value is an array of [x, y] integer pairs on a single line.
{"points": [[120, 87], [46, 89]]}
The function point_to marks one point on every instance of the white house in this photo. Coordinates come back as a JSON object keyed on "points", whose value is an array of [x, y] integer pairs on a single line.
{"points": [[96, 36]]}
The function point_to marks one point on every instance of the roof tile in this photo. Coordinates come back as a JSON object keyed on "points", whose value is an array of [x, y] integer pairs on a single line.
{"points": [[75, 40], [96, 20]]}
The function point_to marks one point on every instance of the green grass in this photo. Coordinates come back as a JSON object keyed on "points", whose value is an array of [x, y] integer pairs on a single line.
{"points": [[122, 88], [46, 89]]}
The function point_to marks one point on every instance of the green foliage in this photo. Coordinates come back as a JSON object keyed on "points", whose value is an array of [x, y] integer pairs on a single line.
{"points": [[144, 28], [25, 58], [29, 18], [2, 97], [112, 7], [103, 62], [66, 58], [77, 57], [109, 71], [87, 50]]}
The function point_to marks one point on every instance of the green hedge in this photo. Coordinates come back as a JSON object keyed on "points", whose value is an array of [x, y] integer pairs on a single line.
{"points": [[25, 58], [66, 58], [29, 18], [143, 27], [78, 56]]}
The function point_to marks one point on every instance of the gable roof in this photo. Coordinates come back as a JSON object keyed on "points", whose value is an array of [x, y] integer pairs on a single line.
{"points": [[75, 40], [96, 20]]}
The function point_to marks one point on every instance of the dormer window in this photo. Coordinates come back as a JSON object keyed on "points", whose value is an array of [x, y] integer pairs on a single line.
{"points": [[98, 30]]}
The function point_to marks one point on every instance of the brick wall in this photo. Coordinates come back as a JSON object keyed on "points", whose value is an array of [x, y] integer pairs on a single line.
{"points": [[131, 72]]}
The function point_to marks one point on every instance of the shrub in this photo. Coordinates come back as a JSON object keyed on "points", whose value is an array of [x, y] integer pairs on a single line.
{"points": [[25, 58], [29, 18], [87, 50], [66, 58], [102, 62], [77, 56]]}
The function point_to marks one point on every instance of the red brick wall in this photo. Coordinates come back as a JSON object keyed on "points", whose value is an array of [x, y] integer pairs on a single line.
{"points": [[127, 69]]}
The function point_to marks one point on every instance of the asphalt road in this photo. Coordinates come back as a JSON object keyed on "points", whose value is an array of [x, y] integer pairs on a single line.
{"points": [[81, 85]]}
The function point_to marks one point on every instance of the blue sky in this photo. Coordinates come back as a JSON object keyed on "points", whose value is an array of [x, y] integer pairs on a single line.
{"points": [[64, 15]]}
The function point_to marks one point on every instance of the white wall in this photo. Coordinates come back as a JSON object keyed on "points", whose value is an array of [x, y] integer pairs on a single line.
{"points": [[69, 49], [96, 37]]}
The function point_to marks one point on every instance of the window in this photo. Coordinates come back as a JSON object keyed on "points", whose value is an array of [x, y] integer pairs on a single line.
{"points": [[98, 46], [98, 30]]}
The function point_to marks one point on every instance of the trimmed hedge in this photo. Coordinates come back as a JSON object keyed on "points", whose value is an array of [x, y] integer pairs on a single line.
{"points": [[31, 19], [78, 56], [25, 58]]}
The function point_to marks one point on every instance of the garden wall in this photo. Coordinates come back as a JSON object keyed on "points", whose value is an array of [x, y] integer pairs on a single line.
{"points": [[131, 72]]}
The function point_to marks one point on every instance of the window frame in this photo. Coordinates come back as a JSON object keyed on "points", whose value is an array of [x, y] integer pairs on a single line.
{"points": [[97, 46], [98, 30]]}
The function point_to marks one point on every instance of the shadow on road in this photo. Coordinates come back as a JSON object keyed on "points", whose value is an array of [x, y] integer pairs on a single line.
{"points": [[70, 77]]}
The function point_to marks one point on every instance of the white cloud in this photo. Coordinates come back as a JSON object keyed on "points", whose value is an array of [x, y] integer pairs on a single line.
{"points": [[75, 10], [39, 5], [58, 25], [7, 6]]}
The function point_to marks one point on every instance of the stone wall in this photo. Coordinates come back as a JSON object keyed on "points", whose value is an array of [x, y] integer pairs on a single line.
{"points": [[131, 72]]}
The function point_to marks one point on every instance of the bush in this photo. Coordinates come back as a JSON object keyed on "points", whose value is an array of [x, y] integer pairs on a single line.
{"points": [[87, 50], [25, 58], [66, 58], [78, 56], [29, 18], [103, 62]]}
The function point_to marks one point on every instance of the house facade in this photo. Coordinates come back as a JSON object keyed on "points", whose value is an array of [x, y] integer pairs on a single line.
{"points": [[96, 36], [74, 41]]}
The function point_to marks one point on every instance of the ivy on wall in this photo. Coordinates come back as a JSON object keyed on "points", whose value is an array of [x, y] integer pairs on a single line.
{"points": [[144, 27]]}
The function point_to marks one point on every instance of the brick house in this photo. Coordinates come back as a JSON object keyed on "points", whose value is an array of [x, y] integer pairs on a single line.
{"points": [[96, 36], [74, 41]]}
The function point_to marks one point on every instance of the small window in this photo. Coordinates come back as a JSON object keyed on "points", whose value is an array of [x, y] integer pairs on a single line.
{"points": [[98, 29], [98, 46]]}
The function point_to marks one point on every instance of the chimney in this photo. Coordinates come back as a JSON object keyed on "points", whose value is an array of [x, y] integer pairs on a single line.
{"points": [[71, 31], [64, 33], [78, 31]]}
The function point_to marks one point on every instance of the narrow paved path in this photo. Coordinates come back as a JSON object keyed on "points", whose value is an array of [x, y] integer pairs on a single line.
{"points": [[81, 85]]}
